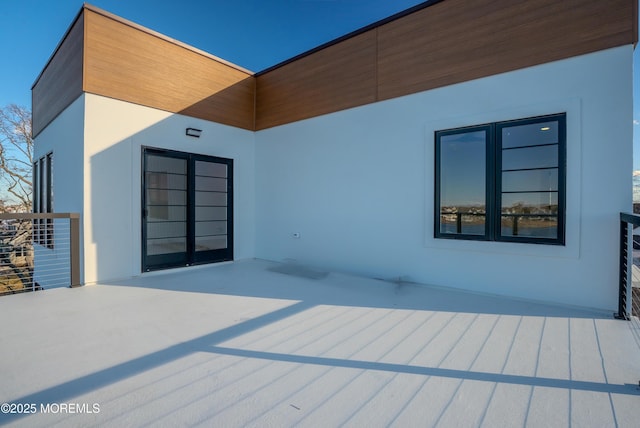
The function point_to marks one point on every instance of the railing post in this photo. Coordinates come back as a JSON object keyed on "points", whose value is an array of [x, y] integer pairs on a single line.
{"points": [[515, 225], [74, 250], [458, 222]]}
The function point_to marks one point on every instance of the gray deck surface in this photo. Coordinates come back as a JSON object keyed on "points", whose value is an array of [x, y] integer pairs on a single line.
{"points": [[254, 344]]}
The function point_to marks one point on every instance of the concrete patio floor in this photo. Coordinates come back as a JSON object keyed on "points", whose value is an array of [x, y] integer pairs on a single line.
{"points": [[242, 344]]}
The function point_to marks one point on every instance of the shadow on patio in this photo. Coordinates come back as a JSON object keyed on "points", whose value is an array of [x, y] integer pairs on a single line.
{"points": [[290, 281], [244, 344]]}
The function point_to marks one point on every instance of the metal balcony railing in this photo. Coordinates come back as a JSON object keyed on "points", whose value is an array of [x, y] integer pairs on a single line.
{"points": [[629, 282], [39, 251]]}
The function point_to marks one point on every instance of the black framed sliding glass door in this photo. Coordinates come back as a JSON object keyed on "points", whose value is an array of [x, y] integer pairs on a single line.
{"points": [[187, 215]]}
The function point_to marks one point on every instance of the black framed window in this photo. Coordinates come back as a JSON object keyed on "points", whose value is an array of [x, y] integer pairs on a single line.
{"points": [[43, 199], [502, 181]]}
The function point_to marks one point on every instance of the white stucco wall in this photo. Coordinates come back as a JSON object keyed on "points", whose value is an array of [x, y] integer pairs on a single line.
{"points": [[357, 185], [64, 138], [115, 133]]}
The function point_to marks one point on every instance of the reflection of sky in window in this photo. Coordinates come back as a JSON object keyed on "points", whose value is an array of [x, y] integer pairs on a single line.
{"points": [[462, 169], [530, 135]]}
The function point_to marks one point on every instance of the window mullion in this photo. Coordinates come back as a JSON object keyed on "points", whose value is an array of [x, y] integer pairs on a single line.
{"points": [[493, 184]]}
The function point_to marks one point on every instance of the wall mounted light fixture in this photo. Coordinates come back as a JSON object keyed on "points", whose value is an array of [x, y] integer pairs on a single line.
{"points": [[193, 132]]}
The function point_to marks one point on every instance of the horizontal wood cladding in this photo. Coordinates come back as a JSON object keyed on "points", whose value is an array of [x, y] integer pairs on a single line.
{"points": [[449, 42], [458, 40], [60, 82], [335, 78], [129, 64]]}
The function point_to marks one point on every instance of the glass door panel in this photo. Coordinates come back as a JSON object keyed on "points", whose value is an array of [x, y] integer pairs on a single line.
{"points": [[211, 210], [165, 211]]}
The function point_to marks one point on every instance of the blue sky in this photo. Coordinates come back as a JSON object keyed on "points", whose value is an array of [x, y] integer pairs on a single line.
{"points": [[254, 34]]}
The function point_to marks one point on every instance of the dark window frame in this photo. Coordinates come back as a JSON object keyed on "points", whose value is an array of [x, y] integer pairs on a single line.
{"points": [[489, 160], [42, 194], [36, 187], [493, 181], [48, 197]]}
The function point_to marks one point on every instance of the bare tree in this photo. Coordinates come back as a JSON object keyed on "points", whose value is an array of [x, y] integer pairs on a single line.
{"points": [[16, 153]]}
